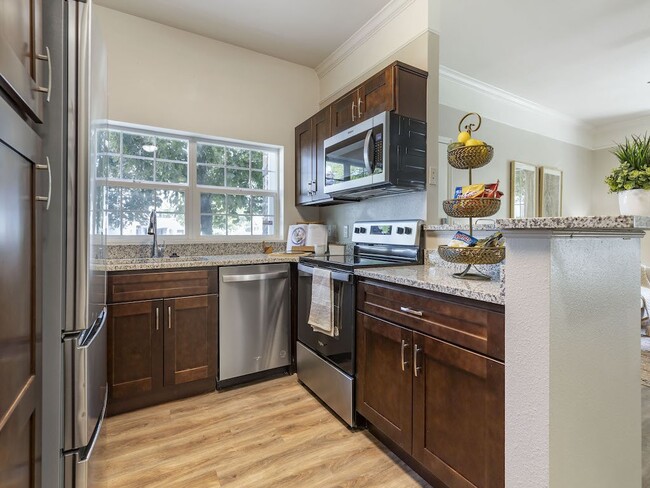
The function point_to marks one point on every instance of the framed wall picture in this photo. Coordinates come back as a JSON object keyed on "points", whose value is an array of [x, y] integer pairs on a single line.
{"points": [[550, 192], [523, 190]]}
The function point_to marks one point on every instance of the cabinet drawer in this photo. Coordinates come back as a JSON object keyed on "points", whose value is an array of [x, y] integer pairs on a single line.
{"points": [[474, 325], [130, 287]]}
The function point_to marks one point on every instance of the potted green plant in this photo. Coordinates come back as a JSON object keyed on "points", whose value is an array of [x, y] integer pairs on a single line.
{"points": [[631, 178]]}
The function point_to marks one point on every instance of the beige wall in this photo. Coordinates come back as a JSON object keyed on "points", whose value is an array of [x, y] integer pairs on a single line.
{"points": [[377, 50], [165, 77]]}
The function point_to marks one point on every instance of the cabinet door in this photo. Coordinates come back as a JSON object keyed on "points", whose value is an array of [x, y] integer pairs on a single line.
{"points": [[20, 326], [304, 162], [135, 348], [322, 129], [190, 339], [376, 94], [344, 112], [458, 414], [384, 384], [22, 60]]}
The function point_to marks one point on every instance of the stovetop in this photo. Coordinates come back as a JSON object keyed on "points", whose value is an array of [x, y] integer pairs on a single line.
{"points": [[350, 262]]}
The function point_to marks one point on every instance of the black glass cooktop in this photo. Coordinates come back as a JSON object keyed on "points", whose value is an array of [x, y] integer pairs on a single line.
{"points": [[349, 262]]}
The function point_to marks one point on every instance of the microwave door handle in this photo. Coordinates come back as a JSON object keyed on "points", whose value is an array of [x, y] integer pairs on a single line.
{"points": [[368, 145]]}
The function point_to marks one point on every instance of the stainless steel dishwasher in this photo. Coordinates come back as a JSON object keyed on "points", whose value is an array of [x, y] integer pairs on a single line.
{"points": [[254, 322]]}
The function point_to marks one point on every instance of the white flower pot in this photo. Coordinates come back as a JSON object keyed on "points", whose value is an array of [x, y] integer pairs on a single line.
{"points": [[634, 202]]}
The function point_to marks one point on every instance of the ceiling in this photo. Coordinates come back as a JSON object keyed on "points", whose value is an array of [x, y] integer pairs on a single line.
{"points": [[589, 59], [300, 31]]}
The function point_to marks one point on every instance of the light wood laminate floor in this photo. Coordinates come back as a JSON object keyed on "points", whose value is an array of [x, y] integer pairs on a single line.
{"points": [[270, 434]]}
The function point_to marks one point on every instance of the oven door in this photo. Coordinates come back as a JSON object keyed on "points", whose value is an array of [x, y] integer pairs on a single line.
{"points": [[355, 158], [337, 350]]}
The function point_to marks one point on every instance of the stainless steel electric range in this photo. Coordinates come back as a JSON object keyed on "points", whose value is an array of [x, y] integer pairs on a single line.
{"points": [[326, 365]]}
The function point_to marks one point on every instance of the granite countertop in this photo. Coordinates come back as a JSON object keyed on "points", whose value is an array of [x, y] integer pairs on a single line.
{"points": [[136, 264], [455, 227], [606, 222], [439, 279]]}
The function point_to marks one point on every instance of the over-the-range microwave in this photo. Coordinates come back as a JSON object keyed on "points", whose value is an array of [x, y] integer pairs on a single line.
{"points": [[383, 155]]}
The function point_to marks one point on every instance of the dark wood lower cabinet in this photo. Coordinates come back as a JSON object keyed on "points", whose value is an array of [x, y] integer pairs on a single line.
{"points": [[438, 405], [458, 414], [384, 395], [190, 339], [135, 347], [161, 350]]}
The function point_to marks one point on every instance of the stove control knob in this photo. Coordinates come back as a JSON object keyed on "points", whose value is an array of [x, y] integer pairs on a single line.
{"points": [[400, 230], [408, 230]]}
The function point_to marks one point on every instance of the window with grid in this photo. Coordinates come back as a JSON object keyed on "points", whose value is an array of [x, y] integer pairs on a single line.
{"points": [[199, 187]]}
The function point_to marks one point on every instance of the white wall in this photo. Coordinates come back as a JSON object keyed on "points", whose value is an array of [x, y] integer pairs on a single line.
{"points": [[165, 77], [511, 144]]}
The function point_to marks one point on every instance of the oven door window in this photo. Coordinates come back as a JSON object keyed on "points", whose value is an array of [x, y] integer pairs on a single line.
{"points": [[358, 157], [339, 349]]}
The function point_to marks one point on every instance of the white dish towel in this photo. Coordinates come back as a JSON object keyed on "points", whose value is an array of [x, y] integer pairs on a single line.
{"points": [[321, 317]]}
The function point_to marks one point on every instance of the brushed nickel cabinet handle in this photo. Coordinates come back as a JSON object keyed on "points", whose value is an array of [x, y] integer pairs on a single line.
{"points": [[48, 198], [408, 310], [404, 346], [169, 315], [416, 368], [352, 111], [359, 102], [46, 89], [157, 318]]}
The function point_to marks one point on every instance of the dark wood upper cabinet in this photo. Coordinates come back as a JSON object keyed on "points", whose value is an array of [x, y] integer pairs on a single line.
{"points": [[344, 112], [190, 339], [135, 344], [398, 87], [310, 158], [440, 402], [304, 162], [458, 415], [321, 129], [384, 395], [23, 61]]}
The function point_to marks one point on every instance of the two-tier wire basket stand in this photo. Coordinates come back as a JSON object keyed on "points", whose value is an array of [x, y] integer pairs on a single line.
{"points": [[469, 158]]}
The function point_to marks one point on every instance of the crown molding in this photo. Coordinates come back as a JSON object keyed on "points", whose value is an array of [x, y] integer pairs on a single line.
{"points": [[502, 106], [376, 23], [498, 93], [606, 135]]}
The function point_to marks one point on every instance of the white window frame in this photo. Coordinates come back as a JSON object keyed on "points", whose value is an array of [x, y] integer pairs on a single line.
{"points": [[193, 189]]}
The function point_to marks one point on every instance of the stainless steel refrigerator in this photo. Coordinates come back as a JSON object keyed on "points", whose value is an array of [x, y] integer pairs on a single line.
{"points": [[74, 337]]}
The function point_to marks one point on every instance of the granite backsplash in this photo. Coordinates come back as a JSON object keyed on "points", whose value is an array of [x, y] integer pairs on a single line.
{"points": [[130, 251]]}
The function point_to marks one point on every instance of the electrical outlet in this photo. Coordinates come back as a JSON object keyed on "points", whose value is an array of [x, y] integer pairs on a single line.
{"points": [[346, 232], [433, 176]]}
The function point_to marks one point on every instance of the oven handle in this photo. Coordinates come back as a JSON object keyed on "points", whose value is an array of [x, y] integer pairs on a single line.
{"points": [[336, 276]]}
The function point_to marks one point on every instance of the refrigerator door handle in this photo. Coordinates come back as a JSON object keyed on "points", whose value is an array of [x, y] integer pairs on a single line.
{"points": [[86, 337], [83, 453]]}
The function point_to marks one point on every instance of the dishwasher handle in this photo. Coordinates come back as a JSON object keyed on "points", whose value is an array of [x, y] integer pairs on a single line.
{"points": [[254, 277]]}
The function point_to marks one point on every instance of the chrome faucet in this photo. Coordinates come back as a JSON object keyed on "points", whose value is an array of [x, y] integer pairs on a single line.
{"points": [[153, 231]]}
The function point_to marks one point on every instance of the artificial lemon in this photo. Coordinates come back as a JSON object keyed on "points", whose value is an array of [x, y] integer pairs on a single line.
{"points": [[474, 142], [463, 137], [454, 145]]}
